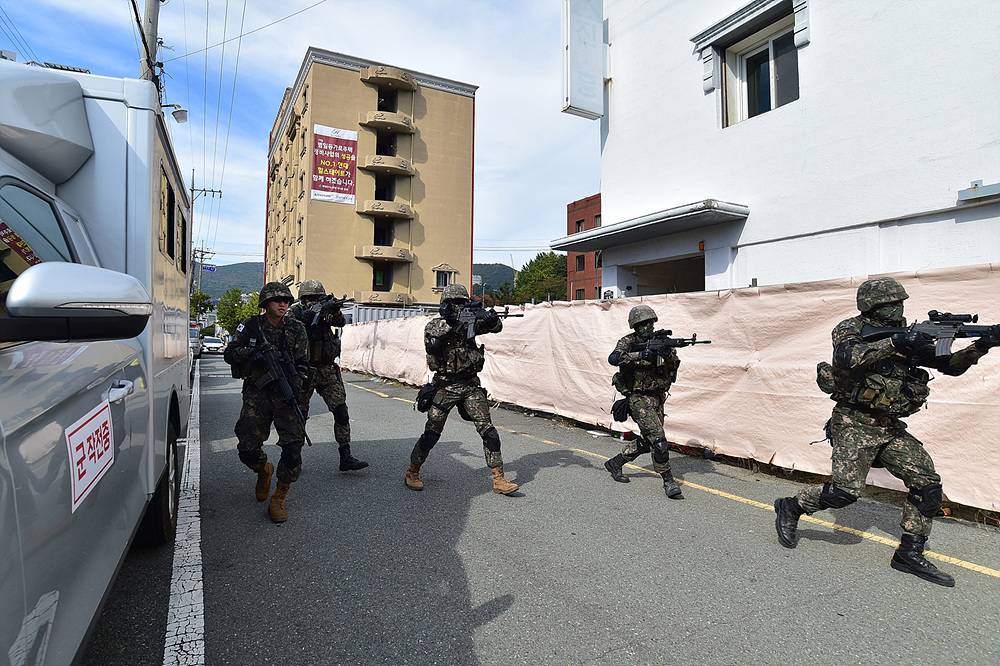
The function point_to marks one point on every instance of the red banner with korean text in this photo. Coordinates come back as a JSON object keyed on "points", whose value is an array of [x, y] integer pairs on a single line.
{"points": [[334, 164]]}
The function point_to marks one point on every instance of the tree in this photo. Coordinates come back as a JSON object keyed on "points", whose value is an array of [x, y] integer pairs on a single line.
{"points": [[543, 278], [201, 303], [232, 310], [503, 295]]}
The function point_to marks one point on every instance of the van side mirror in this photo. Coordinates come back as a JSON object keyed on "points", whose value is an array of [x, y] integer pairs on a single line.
{"points": [[61, 301]]}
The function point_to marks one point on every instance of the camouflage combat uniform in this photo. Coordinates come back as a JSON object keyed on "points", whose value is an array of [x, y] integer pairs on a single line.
{"points": [[456, 367], [876, 386], [645, 386], [456, 361], [261, 407], [324, 373]]}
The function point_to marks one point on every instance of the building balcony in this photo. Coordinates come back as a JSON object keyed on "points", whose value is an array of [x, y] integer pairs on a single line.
{"points": [[389, 121], [390, 77], [386, 164], [381, 208], [383, 298], [383, 253]]}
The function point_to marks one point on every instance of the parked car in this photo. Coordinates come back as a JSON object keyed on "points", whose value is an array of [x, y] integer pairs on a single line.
{"points": [[196, 342], [212, 345], [94, 383]]}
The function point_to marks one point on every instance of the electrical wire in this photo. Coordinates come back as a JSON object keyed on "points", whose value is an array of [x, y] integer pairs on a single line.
{"points": [[244, 34], [18, 42]]}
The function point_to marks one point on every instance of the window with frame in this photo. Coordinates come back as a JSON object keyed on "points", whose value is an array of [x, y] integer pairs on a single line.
{"points": [[442, 279], [579, 296], [579, 226], [762, 72], [750, 57], [581, 263]]}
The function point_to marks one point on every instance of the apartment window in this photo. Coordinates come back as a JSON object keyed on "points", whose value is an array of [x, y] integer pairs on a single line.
{"points": [[581, 264], [442, 279], [597, 221], [383, 232], [579, 296], [579, 226], [381, 276], [762, 72], [751, 57], [388, 100], [597, 259]]}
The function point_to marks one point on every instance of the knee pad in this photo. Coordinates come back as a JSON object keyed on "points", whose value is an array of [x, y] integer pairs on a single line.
{"points": [[927, 499], [340, 415], [660, 451], [833, 497], [491, 439], [428, 440]]}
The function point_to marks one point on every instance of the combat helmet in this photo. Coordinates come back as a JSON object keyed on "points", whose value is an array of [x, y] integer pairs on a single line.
{"points": [[454, 292], [880, 290], [311, 288], [272, 291], [640, 314]]}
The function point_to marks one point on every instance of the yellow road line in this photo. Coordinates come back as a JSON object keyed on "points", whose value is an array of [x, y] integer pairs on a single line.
{"points": [[736, 498]]}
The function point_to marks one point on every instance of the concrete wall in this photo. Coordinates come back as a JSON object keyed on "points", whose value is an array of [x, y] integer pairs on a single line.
{"points": [[899, 109]]}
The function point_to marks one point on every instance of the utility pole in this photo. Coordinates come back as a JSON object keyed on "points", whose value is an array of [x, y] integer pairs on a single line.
{"points": [[199, 253], [150, 26]]}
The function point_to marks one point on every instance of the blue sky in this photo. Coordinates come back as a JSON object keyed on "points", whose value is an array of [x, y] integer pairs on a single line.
{"points": [[531, 159]]}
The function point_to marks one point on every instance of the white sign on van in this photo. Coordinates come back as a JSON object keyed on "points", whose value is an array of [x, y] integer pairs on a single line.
{"points": [[91, 445]]}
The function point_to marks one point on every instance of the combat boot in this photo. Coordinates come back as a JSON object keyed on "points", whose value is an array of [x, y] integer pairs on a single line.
{"points": [[263, 487], [614, 467], [787, 520], [671, 487], [412, 478], [501, 485], [909, 558], [347, 461], [277, 506]]}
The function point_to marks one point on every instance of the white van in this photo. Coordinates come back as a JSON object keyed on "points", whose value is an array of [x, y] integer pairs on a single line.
{"points": [[94, 386]]}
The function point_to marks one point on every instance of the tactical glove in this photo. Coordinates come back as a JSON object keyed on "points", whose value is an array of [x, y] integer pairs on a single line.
{"points": [[647, 355], [990, 340], [911, 341]]}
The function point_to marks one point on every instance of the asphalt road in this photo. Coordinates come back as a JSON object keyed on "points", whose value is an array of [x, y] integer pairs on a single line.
{"points": [[575, 569]]}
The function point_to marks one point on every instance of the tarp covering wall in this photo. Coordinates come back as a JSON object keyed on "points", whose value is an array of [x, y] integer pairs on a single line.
{"points": [[751, 393]]}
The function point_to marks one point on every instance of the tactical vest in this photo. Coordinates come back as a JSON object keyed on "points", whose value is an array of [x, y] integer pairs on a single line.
{"points": [[888, 386], [630, 380], [458, 357]]}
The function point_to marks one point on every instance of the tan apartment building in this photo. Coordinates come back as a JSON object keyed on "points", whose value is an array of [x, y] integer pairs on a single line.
{"points": [[370, 176]]}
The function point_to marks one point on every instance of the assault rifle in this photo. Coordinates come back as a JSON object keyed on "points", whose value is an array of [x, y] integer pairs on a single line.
{"points": [[468, 315], [943, 327], [662, 343], [327, 305], [279, 368]]}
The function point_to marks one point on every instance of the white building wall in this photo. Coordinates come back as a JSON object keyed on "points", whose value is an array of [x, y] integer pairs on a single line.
{"points": [[898, 110]]}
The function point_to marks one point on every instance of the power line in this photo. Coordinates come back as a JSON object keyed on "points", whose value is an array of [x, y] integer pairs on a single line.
{"points": [[19, 42], [246, 33]]}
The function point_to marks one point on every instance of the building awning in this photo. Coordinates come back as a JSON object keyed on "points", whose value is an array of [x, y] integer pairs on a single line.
{"points": [[655, 225]]}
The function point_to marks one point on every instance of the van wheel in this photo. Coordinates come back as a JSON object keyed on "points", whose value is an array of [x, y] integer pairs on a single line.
{"points": [[159, 525]]}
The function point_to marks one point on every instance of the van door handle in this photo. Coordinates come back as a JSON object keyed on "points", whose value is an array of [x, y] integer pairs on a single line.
{"points": [[119, 390]]}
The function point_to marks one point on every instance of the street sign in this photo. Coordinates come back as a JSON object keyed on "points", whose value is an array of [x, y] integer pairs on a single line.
{"points": [[210, 269]]}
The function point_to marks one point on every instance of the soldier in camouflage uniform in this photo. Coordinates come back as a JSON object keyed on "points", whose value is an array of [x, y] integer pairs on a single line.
{"points": [[261, 407], [456, 361], [875, 384], [645, 386], [324, 373]]}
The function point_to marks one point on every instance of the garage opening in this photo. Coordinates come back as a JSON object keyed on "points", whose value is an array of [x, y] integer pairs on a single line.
{"points": [[671, 276]]}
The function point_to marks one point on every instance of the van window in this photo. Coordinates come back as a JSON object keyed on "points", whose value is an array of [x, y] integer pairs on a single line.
{"points": [[167, 231], [30, 233]]}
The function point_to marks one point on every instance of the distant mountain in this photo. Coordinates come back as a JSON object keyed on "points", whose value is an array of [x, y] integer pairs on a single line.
{"points": [[494, 275], [247, 276]]}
